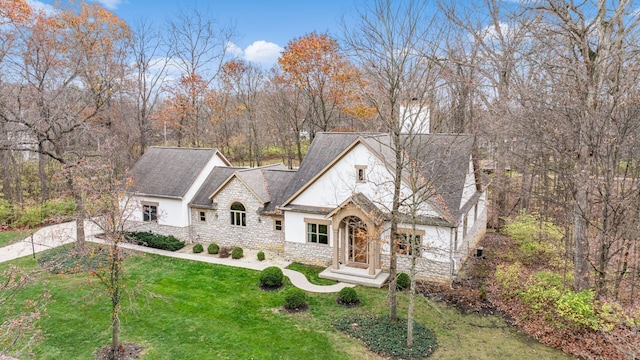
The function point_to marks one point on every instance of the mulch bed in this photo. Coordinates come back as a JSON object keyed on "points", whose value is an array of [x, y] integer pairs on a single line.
{"points": [[126, 351]]}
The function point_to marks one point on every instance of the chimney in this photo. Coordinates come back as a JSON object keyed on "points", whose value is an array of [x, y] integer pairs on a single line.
{"points": [[414, 118]]}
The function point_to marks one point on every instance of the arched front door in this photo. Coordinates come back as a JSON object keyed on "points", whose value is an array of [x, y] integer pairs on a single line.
{"points": [[357, 242]]}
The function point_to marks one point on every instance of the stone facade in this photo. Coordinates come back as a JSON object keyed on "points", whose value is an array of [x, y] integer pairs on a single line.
{"points": [[259, 233], [181, 233], [308, 253], [426, 269]]}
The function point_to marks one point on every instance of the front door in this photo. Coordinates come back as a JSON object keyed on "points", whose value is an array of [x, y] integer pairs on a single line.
{"points": [[358, 244]]}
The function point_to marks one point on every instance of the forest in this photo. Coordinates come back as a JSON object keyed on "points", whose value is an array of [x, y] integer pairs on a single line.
{"points": [[549, 88]]}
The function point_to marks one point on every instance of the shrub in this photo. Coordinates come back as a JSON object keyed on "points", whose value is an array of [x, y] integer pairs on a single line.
{"points": [[509, 277], [197, 248], [156, 241], [348, 296], [294, 299], [537, 239], [213, 248], [260, 256], [224, 252], [271, 277], [236, 253], [577, 309], [403, 281]]}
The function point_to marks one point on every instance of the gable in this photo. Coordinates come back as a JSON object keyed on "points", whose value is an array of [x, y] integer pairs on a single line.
{"points": [[340, 181]]}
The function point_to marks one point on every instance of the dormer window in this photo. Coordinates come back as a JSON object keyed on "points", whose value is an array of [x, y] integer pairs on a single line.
{"points": [[361, 173]]}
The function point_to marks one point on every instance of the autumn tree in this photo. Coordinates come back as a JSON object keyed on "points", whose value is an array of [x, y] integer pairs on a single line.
{"points": [[287, 113], [315, 64], [245, 82], [68, 65], [198, 48]]}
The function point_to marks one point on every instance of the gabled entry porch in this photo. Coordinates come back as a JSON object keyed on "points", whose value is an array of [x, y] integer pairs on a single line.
{"points": [[356, 252]]}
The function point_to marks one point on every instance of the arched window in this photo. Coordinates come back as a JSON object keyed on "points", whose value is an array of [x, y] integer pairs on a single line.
{"points": [[238, 214]]}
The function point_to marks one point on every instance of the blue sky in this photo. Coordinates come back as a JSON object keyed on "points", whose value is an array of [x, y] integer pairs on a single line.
{"points": [[263, 26]]}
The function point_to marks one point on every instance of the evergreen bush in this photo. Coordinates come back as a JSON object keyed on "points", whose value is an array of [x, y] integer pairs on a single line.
{"points": [[271, 277], [348, 296], [403, 281], [213, 248], [156, 241], [294, 299], [237, 253], [260, 256], [197, 248]]}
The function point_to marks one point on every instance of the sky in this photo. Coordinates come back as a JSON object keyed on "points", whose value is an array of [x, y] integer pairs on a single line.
{"points": [[264, 27]]}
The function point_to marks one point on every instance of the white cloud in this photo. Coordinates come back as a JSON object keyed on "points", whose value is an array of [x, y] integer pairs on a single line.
{"points": [[109, 4], [263, 52], [233, 50]]}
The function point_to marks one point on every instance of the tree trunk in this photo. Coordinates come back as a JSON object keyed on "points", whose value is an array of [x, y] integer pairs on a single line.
{"points": [[580, 231], [393, 236], [79, 202], [42, 174]]}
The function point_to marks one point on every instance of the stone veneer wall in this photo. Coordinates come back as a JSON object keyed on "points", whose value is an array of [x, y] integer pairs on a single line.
{"points": [[430, 270], [308, 253], [259, 234], [181, 233]]}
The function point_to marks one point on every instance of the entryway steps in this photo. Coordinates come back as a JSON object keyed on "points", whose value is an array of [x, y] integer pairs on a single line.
{"points": [[355, 276]]}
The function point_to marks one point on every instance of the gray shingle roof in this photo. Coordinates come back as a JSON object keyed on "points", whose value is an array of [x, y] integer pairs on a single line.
{"points": [[180, 168], [216, 178], [442, 160], [323, 150], [277, 183]]}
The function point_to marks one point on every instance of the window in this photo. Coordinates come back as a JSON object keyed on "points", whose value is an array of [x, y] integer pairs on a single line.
{"points": [[404, 245], [361, 173], [149, 212], [318, 233], [277, 224], [203, 216], [238, 215]]}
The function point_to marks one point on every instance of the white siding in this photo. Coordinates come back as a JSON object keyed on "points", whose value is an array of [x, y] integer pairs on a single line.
{"points": [[469, 185], [435, 242], [169, 211], [295, 229], [339, 183]]}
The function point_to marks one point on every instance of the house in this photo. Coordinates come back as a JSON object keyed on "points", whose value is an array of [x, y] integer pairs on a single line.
{"points": [[164, 180], [334, 210]]}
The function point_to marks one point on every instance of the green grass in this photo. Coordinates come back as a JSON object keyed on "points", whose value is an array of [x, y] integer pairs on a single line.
{"points": [[190, 310], [12, 236], [311, 273]]}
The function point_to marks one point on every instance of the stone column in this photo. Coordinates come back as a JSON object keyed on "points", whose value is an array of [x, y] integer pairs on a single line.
{"points": [[336, 245], [372, 262]]}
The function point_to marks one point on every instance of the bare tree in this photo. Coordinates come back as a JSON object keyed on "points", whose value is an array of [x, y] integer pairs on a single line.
{"points": [[150, 74], [396, 45]]}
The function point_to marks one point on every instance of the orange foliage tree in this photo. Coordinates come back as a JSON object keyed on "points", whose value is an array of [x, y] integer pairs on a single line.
{"points": [[315, 64], [70, 63]]}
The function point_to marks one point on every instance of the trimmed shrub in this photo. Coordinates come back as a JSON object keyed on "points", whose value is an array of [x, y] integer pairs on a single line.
{"points": [[197, 248], [213, 248], [403, 281], [260, 256], [237, 253], [271, 277], [294, 299], [224, 252], [348, 296], [156, 241]]}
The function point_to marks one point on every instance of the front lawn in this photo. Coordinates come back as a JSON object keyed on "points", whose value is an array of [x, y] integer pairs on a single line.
{"points": [[12, 236], [190, 310]]}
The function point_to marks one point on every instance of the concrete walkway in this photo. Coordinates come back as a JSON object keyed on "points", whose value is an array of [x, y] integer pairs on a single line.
{"points": [[56, 235]]}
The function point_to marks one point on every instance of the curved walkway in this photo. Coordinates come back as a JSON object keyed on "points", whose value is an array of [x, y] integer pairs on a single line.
{"points": [[56, 235]]}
